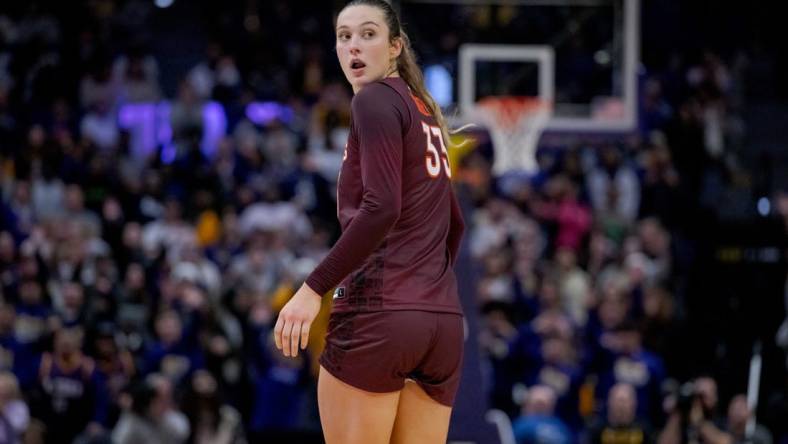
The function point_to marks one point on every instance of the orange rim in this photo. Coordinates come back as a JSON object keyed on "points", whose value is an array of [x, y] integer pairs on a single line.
{"points": [[507, 110]]}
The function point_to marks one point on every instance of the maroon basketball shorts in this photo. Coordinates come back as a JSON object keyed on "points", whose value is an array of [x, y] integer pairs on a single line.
{"points": [[377, 351]]}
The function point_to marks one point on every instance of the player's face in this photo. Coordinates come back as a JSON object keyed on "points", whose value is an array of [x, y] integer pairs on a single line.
{"points": [[365, 51]]}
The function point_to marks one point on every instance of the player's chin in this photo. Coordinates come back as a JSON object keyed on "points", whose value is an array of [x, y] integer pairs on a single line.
{"points": [[360, 82]]}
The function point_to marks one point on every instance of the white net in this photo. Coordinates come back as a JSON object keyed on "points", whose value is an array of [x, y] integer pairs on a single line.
{"points": [[515, 125]]}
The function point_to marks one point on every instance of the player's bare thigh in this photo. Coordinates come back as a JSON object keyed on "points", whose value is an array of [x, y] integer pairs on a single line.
{"points": [[354, 416], [420, 419]]}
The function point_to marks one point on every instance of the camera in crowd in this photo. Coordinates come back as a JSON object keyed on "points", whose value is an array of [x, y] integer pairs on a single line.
{"points": [[686, 396]]}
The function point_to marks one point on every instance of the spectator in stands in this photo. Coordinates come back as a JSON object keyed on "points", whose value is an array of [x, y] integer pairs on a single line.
{"points": [[660, 189], [738, 416], [507, 355], [100, 127], [137, 76], [562, 209], [202, 77], [175, 353], [574, 286], [14, 414], [626, 361], [614, 190], [656, 112], [168, 234], [9, 273], [115, 367], [33, 315], [654, 242], [278, 382], [151, 416], [212, 421], [693, 416], [70, 305], [8, 343], [19, 214], [620, 425], [69, 398], [559, 371], [186, 115], [537, 423], [328, 130]]}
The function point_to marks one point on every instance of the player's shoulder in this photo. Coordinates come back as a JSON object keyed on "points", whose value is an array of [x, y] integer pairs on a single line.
{"points": [[376, 94]]}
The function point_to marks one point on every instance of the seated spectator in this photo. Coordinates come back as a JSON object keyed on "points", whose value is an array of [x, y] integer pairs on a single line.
{"points": [[115, 367], [33, 315], [100, 126], [212, 420], [693, 415], [175, 353], [570, 217], [14, 414], [137, 77], [614, 189], [15, 356], [559, 371], [150, 416], [626, 361], [508, 351], [738, 415], [574, 286], [70, 306], [620, 425], [279, 383], [69, 398], [537, 423], [18, 210]]}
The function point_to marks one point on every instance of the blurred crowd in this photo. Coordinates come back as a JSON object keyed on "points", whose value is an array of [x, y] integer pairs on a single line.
{"points": [[146, 246], [583, 274]]}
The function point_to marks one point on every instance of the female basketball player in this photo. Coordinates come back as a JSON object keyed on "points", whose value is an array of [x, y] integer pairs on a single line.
{"points": [[391, 366]]}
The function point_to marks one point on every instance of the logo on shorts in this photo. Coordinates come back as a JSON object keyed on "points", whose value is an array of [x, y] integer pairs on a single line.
{"points": [[339, 293]]}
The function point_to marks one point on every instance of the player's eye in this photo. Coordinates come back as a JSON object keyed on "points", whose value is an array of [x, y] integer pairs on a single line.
{"points": [[343, 36], [368, 34]]}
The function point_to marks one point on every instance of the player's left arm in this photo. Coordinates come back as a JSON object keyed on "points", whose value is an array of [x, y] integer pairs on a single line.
{"points": [[378, 121], [379, 125]]}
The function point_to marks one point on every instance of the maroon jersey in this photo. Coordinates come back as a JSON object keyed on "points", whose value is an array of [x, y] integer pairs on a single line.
{"points": [[401, 223]]}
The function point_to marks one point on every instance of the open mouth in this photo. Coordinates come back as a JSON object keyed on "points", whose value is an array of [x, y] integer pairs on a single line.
{"points": [[357, 64]]}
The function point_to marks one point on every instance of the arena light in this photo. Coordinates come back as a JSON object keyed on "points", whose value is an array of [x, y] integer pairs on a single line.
{"points": [[163, 3]]}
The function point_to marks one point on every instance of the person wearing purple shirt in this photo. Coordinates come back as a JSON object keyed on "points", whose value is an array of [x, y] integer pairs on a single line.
{"points": [[391, 366]]}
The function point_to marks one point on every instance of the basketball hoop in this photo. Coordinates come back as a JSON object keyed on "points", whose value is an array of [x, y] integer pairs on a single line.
{"points": [[515, 125]]}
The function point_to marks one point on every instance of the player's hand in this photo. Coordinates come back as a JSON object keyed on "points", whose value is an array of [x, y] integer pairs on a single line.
{"points": [[295, 319]]}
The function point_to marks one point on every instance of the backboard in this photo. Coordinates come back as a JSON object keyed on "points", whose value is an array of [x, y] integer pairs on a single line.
{"points": [[581, 55]]}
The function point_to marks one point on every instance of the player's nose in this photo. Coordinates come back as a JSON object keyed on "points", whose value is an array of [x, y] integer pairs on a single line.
{"points": [[354, 46]]}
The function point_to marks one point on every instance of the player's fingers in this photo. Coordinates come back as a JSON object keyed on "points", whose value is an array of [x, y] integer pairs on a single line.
{"points": [[295, 335], [286, 330], [278, 332], [305, 334]]}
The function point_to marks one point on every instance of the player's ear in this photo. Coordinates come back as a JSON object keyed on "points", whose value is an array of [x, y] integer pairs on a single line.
{"points": [[395, 48]]}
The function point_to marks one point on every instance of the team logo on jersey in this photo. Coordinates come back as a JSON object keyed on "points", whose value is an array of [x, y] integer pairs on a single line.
{"points": [[339, 293], [420, 105]]}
